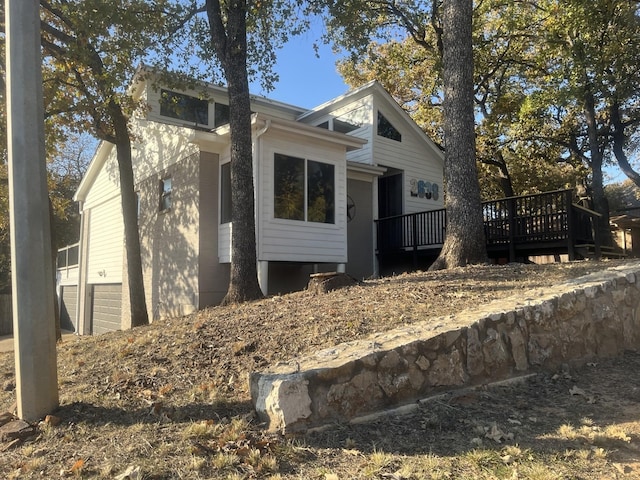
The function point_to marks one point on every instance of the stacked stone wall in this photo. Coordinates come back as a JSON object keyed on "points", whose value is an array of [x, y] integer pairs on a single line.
{"points": [[592, 317]]}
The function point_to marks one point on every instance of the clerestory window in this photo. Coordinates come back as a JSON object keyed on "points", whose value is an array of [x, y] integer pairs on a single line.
{"points": [[387, 130], [184, 107]]}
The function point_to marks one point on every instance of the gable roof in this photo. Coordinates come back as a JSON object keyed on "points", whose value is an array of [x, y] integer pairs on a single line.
{"points": [[380, 94], [93, 170], [302, 119]]}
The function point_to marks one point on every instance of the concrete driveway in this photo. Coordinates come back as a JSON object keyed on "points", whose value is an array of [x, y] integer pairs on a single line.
{"points": [[6, 341]]}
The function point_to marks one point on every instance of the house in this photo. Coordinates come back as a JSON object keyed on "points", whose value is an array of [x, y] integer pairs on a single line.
{"points": [[322, 177]]}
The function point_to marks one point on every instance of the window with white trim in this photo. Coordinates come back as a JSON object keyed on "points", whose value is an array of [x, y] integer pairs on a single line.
{"points": [[303, 189], [225, 192], [165, 194], [387, 130], [184, 107]]}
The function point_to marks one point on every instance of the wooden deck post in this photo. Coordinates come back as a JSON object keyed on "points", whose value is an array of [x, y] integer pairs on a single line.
{"points": [[571, 231], [511, 207], [414, 235]]}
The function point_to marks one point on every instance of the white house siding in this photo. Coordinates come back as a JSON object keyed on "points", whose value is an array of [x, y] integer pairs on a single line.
{"points": [[169, 240], [158, 146], [213, 276], [359, 111], [414, 158], [106, 227], [297, 241]]}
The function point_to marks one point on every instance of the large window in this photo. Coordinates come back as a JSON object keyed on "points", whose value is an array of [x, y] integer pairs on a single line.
{"points": [[220, 114], [184, 107], [304, 189], [387, 130]]}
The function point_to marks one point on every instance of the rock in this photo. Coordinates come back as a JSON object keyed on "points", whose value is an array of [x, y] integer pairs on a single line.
{"points": [[326, 282], [52, 420], [5, 418], [16, 429], [282, 401]]}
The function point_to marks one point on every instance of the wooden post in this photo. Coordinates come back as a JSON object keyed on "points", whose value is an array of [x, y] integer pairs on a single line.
{"points": [[571, 231], [31, 266], [511, 205], [414, 239]]}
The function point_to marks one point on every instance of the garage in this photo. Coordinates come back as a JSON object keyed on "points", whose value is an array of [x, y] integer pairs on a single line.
{"points": [[106, 309], [68, 306]]}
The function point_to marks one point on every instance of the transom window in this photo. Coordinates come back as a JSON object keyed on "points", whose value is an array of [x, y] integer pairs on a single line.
{"points": [[387, 130], [304, 189], [184, 107]]}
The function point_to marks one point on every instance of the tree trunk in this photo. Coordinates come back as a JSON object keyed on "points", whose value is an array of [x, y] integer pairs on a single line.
{"points": [[230, 44], [465, 240], [600, 203], [138, 306], [54, 261]]}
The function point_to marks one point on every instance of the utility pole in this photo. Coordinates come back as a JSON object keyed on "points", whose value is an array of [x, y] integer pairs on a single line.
{"points": [[31, 268]]}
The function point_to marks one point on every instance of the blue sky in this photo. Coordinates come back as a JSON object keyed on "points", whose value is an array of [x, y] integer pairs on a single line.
{"points": [[305, 80]]}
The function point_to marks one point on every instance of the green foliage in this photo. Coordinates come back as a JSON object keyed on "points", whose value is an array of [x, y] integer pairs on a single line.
{"points": [[623, 195], [534, 63]]}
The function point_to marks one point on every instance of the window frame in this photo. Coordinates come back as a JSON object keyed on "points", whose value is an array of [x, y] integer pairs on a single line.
{"points": [[389, 130], [226, 198], [194, 107], [165, 202], [330, 212]]}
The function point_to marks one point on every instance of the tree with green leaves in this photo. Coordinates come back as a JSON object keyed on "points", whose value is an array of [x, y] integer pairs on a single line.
{"points": [[444, 29], [509, 162], [589, 54], [228, 32], [240, 38], [91, 49]]}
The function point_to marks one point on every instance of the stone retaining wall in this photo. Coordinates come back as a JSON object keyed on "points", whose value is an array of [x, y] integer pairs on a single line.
{"points": [[594, 316]]}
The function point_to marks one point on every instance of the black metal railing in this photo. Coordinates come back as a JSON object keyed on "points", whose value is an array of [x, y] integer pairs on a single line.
{"points": [[411, 231], [544, 218]]}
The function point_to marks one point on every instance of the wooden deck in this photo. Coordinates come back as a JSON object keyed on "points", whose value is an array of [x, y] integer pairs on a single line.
{"points": [[515, 228]]}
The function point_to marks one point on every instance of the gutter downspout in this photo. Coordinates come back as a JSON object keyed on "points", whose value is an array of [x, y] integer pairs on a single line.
{"points": [[262, 266], [82, 302]]}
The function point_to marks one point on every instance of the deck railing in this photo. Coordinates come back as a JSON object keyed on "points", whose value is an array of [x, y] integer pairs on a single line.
{"points": [[67, 262], [549, 218], [411, 231]]}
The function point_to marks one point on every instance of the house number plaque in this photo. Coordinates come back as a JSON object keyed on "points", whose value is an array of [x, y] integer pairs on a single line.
{"points": [[424, 189]]}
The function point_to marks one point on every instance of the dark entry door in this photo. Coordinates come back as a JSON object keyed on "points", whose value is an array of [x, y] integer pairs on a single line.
{"points": [[390, 195], [389, 205]]}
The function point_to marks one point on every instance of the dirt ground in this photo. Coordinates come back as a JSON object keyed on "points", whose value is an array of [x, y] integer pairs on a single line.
{"points": [[171, 400]]}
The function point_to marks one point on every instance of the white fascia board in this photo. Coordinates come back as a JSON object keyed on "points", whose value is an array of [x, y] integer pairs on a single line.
{"points": [[215, 139], [302, 129], [376, 89], [364, 168], [209, 141], [97, 162]]}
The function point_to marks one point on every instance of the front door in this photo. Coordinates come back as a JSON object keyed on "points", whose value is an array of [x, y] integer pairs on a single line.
{"points": [[390, 194], [390, 205]]}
